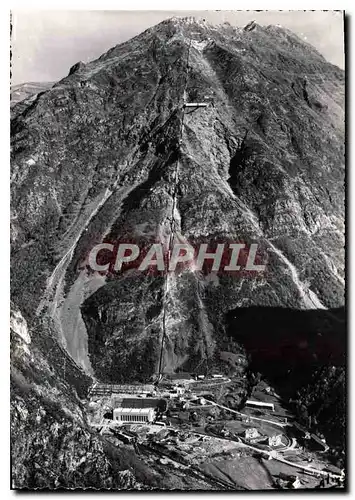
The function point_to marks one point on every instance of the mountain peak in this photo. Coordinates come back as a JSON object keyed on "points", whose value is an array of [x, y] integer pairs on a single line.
{"points": [[249, 159]]}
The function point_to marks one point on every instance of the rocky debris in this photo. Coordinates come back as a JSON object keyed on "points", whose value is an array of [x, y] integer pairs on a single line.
{"points": [[18, 329], [53, 452]]}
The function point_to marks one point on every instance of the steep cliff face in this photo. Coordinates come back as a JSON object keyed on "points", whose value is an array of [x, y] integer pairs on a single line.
{"points": [[51, 444], [110, 154]]}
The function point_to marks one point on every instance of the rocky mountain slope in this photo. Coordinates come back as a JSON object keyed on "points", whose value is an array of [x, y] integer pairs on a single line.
{"points": [[109, 154]]}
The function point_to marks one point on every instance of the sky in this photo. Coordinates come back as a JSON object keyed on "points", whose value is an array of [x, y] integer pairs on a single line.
{"points": [[45, 44]]}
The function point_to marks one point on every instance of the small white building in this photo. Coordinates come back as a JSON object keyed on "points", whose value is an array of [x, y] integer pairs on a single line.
{"points": [[251, 433], [196, 104], [296, 483], [275, 440], [134, 415]]}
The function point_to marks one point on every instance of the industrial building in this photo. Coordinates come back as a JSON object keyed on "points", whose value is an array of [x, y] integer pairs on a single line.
{"points": [[158, 404], [100, 389], [137, 409], [260, 405], [137, 415]]}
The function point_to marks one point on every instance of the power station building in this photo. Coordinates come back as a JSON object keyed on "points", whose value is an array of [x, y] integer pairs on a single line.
{"points": [[137, 409], [133, 415]]}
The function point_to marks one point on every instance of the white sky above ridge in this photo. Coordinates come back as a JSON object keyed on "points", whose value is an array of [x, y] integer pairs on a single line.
{"points": [[45, 44]]}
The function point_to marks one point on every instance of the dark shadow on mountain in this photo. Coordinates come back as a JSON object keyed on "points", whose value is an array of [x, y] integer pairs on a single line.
{"points": [[287, 345], [302, 354]]}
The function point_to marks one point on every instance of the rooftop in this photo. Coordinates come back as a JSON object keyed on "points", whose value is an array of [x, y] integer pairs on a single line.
{"points": [[139, 403], [135, 411], [178, 376]]}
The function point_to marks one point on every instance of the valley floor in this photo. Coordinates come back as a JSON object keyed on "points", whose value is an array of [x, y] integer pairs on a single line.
{"points": [[228, 449]]}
